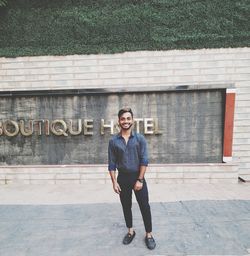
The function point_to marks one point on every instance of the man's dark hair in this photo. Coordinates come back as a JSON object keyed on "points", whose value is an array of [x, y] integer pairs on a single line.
{"points": [[125, 110]]}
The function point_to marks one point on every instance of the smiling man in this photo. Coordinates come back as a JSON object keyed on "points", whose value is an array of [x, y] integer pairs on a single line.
{"points": [[127, 153]]}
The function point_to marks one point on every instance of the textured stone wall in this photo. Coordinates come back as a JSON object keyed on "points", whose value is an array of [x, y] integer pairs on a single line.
{"points": [[189, 124], [198, 68]]}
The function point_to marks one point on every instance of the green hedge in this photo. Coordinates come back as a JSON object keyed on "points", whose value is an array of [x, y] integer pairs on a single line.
{"points": [[61, 27], [3, 2]]}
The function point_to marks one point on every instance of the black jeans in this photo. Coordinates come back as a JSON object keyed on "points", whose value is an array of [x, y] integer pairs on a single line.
{"points": [[127, 182]]}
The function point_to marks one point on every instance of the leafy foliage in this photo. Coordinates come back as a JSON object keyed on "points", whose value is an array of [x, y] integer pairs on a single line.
{"points": [[61, 27], [3, 2]]}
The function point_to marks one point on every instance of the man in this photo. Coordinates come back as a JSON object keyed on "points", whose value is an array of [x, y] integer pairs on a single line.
{"points": [[127, 153]]}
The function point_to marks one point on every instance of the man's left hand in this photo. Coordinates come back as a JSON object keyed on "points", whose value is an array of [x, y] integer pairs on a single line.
{"points": [[138, 186]]}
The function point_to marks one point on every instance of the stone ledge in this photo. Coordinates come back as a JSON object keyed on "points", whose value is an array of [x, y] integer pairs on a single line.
{"points": [[245, 177], [82, 174]]}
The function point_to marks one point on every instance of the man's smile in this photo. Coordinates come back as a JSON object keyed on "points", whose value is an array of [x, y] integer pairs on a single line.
{"points": [[126, 125]]}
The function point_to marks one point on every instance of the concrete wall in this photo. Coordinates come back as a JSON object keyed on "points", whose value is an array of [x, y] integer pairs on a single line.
{"points": [[180, 127], [197, 68]]}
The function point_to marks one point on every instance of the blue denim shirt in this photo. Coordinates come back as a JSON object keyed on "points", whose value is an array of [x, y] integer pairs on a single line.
{"points": [[127, 157]]}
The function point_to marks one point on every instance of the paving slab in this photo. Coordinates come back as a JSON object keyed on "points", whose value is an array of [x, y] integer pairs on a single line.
{"points": [[70, 220]]}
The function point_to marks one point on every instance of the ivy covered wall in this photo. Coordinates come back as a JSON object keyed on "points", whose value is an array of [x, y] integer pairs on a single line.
{"points": [[62, 27]]}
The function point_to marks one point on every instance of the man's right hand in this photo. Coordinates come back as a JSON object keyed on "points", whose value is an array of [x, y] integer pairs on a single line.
{"points": [[116, 187]]}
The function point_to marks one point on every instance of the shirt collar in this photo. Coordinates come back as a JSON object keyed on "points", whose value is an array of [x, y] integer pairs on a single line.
{"points": [[131, 135]]}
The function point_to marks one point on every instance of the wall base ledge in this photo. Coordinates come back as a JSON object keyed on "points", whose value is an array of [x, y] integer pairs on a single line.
{"points": [[97, 173]]}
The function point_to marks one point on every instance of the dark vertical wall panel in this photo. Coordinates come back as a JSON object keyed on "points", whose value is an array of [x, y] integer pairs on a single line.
{"points": [[191, 124]]}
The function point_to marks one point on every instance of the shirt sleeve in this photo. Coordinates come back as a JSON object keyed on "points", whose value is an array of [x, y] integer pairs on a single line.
{"points": [[143, 151], [111, 157]]}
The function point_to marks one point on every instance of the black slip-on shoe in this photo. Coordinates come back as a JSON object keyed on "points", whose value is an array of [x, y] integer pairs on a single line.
{"points": [[128, 238], [150, 242]]}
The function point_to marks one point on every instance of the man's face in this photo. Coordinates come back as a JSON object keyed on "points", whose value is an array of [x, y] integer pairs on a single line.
{"points": [[126, 121]]}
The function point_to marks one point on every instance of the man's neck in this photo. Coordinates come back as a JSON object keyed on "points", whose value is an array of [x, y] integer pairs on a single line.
{"points": [[126, 133]]}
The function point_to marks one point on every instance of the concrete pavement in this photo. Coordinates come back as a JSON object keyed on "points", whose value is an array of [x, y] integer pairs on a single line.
{"points": [[86, 219]]}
